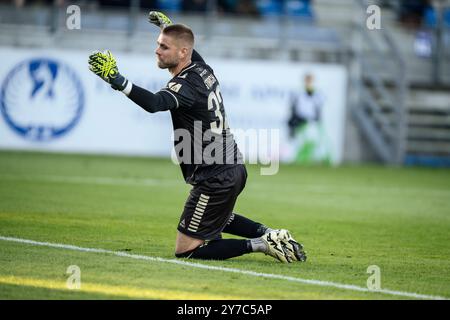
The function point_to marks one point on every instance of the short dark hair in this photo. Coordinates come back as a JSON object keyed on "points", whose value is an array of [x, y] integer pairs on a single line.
{"points": [[180, 32]]}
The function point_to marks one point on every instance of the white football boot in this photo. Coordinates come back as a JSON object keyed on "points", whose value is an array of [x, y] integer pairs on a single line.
{"points": [[293, 249], [275, 247]]}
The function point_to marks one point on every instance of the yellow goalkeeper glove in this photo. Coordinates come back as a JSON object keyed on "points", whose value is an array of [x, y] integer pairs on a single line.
{"points": [[104, 65], [159, 19]]}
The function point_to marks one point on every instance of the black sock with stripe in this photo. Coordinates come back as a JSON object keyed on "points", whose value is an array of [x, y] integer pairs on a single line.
{"points": [[241, 226]]}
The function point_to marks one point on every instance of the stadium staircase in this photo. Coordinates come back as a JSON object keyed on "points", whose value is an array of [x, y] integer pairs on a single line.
{"points": [[401, 106]]}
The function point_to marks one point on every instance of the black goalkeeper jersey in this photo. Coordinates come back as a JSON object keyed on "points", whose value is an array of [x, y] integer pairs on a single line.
{"points": [[200, 113], [203, 142]]}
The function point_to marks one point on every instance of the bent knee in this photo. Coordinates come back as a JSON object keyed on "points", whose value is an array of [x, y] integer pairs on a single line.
{"points": [[185, 244]]}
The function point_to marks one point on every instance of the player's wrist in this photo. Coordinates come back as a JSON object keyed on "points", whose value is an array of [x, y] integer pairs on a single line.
{"points": [[119, 82], [127, 88]]}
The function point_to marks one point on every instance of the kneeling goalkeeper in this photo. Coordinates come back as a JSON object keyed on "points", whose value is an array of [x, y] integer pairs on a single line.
{"points": [[195, 103]]}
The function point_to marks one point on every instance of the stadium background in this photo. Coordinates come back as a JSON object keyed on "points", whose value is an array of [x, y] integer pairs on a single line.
{"points": [[386, 106]]}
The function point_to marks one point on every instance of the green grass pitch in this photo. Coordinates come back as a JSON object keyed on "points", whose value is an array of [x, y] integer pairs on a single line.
{"points": [[348, 218]]}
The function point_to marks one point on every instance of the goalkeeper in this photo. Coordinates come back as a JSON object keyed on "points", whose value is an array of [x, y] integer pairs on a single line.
{"points": [[193, 97]]}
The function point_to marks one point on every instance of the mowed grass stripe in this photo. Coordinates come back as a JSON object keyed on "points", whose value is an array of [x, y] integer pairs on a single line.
{"points": [[92, 180], [349, 218], [108, 290], [223, 269], [314, 188]]}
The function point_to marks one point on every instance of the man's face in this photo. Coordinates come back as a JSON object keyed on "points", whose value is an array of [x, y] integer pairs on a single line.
{"points": [[167, 52]]}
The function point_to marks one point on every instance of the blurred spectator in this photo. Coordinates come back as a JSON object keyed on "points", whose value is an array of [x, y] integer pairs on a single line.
{"points": [[270, 8], [114, 3], [148, 4], [434, 15], [19, 3], [169, 5], [292, 8], [227, 6], [299, 8], [423, 44], [246, 7], [411, 12], [194, 6], [243, 7], [431, 17]]}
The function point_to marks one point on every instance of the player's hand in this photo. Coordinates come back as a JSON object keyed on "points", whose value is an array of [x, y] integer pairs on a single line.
{"points": [[159, 19], [104, 65]]}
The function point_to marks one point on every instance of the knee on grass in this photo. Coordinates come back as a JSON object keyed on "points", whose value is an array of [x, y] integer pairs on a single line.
{"points": [[186, 254]]}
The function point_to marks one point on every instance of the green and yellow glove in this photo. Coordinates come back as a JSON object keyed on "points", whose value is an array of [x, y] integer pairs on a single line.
{"points": [[159, 19], [104, 65]]}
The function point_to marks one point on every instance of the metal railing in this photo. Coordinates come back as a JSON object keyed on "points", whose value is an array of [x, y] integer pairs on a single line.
{"points": [[380, 109]]}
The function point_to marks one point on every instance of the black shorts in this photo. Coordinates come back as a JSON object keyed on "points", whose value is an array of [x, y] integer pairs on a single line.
{"points": [[210, 204]]}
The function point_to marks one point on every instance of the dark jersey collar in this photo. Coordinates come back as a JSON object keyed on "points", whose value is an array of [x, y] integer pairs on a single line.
{"points": [[190, 66]]}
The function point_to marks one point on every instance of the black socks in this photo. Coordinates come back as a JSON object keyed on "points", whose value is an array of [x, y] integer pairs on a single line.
{"points": [[221, 249], [218, 250], [243, 227]]}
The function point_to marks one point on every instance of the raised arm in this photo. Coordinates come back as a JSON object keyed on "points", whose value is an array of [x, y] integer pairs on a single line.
{"points": [[152, 102], [104, 65]]}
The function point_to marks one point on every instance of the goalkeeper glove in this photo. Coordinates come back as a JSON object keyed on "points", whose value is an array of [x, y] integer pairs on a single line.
{"points": [[159, 19], [103, 64]]}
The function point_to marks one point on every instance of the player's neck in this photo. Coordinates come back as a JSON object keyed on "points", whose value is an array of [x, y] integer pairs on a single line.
{"points": [[176, 70]]}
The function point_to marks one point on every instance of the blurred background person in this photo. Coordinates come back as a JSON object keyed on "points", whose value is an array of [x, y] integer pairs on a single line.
{"points": [[305, 123]]}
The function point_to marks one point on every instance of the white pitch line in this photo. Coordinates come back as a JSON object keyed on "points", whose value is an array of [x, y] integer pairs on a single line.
{"points": [[225, 269]]}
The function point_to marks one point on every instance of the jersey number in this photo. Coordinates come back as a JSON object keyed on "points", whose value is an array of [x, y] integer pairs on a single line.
{"points": [[214, 103]]}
